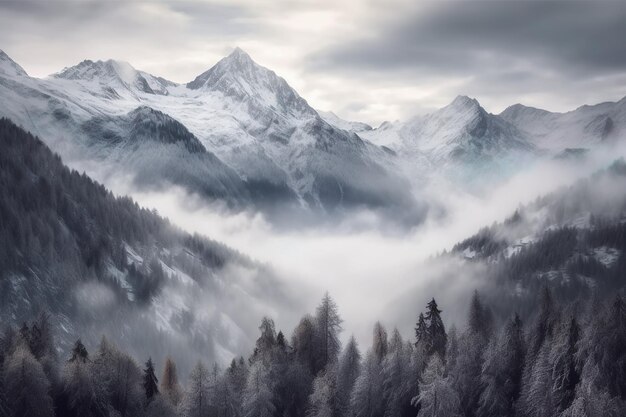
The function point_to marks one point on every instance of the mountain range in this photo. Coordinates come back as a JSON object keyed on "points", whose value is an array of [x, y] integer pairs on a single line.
{"points": [[240, 136]]}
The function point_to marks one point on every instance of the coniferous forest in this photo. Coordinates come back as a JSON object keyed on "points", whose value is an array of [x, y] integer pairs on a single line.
{"points": [[564, 354], [567, 360]]}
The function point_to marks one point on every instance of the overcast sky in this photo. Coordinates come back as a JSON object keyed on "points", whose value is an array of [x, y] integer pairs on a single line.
{"points": [[368, 60]]}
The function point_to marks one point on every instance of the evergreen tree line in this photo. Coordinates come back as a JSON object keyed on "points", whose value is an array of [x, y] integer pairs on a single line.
{"points": [[56, 222], [567, 361]]}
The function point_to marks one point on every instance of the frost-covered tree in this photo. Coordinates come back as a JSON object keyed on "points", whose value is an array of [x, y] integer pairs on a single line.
{"points": [[380, 344], [197, 401], [502, 372], [323, 399], [565, 372], [452, 350], [545, 323], [367, 394], [328, 326], [26, 385], [258, 398], [480, 320], [397, 386], [122, 379], [436, 396], [160, 407], [537, 399], [348, 371], [227, 399], [266, 342], [303, 342], [606, 348], [466, 375], [84, 391], [170, 387]]}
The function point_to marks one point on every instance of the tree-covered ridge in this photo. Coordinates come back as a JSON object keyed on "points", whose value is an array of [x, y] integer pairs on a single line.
{"points": [[572, 241], [51, 215], [69, 245], [566, 360]]}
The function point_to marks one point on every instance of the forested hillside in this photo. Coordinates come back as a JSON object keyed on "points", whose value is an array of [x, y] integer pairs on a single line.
{"points": [[96, 261], [572, 241], [567, 360]]}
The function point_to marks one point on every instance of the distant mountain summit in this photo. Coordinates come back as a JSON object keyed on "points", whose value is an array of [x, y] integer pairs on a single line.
{"points": [[239, 77], [239, 134], [9, 67], [117, 76], [584, 127]]}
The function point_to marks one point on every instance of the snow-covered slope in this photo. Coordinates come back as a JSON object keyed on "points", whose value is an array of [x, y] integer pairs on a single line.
{"points": [[265, 147], [585, 127], [461, 140], [116, 77], [103, 265], [461, 131], [250, 121], [342, 124], [9, 67]]}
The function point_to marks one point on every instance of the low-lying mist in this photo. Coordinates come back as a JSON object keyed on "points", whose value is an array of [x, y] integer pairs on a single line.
{"points": [[373, 272]]}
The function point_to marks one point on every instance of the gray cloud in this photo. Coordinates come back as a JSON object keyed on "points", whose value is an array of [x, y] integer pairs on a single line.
{"points": [[458, 37], [368, 60]]}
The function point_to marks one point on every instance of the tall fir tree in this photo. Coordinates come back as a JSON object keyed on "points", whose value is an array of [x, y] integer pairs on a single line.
{"points": [[437, 338], [150, 381]]}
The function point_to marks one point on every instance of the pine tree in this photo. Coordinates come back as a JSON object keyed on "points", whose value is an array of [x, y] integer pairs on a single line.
{"points": [[150, 381], [367, 395], [480, 320], [397, 387], [502, 372], [323, 399], [266, 343], [565, 373], [437, 398], [122, 378], [437, 337], [537, 399], [380, 344], [26, 385], [328, 326], [466, 376], [303, 342], [83, 389], [170, 387], [258, 398], [421, 330], [198, 395], [347, 374], [79, 352]]}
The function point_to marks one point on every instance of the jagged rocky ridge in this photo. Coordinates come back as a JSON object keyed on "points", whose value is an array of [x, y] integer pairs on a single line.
{"points": [[266, 147]]}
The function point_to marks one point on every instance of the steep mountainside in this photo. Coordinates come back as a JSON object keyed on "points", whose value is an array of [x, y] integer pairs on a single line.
{"points": [[251, 123], [573, 241], [102, 264], [461, 139], [585, 127]]}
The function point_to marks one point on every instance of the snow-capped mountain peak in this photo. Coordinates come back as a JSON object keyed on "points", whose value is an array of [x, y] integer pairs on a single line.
{"points": [[239, 77], [464, 102], [118, 75], [10, 67]]}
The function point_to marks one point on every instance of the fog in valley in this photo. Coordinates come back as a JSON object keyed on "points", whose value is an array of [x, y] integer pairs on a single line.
{"points": [[375, 269]]}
